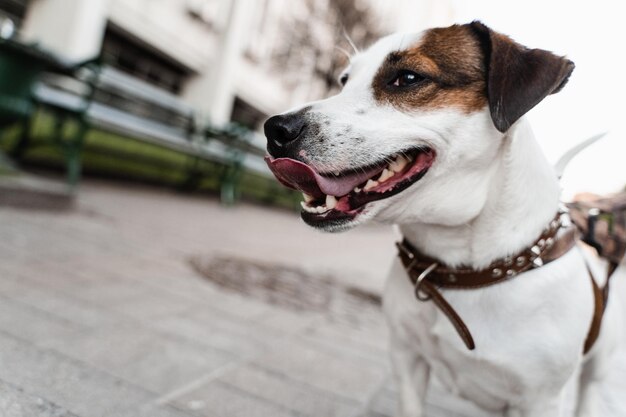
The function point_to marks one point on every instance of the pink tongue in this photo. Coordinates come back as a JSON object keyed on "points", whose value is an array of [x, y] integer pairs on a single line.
{"points": [[299, 176]]}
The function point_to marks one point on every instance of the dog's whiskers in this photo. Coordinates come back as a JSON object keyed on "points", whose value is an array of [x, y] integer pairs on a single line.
{"points": [[345, 52], [350, 41], [388, 159]]}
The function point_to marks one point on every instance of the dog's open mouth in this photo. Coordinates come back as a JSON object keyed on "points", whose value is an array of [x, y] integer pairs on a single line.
{"points": [[342, 196]]}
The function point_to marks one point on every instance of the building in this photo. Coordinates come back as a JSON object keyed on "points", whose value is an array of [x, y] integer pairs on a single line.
{"points": [[232, 59]]}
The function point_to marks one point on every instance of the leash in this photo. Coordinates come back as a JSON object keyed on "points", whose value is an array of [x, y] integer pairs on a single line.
{"points": [[428, 275], [602, 225]]}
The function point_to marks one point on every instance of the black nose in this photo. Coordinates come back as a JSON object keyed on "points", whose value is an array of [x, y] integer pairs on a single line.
{"points": [[284, 128]]}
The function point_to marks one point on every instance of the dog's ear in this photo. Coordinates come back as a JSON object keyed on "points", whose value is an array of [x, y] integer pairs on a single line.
{"points": [[518, 78]]}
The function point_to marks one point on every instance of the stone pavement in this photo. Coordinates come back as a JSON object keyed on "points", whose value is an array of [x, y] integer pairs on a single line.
{"points": [[144, 302], [22, 190], [102, 312]]}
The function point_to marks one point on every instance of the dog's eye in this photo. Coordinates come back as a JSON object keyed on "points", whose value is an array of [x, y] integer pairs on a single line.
{"points": [[405, 78], [343, 79]]}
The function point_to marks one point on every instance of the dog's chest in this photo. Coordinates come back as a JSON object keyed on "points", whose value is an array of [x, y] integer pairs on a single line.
{"points": [[528, 333], [487, 380]]}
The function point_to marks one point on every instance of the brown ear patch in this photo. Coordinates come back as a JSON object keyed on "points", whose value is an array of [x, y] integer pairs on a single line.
{"points": [[518, 78], [469, 66], [451, 62]]}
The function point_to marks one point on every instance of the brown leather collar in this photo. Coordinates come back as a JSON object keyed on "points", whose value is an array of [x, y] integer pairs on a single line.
{"points": [[428, 275]]}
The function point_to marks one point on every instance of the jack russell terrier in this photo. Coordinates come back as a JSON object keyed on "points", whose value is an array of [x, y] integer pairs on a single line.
{"points": [[489, 295]]}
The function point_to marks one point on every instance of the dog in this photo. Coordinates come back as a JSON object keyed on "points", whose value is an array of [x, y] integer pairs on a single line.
{"points": [[429, 133]]}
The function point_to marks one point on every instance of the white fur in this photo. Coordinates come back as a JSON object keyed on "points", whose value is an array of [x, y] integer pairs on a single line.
{"points": [[486, 196], [529, 332]]}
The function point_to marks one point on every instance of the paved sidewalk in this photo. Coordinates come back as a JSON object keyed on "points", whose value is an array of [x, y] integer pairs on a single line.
{"points": [[102, 312]]}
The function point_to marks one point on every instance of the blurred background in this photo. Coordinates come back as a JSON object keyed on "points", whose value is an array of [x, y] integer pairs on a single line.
{"points": [[149, 262]]}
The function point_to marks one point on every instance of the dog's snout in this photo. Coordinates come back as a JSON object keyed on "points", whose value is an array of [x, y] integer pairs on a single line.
{"points": [[284, 128]]}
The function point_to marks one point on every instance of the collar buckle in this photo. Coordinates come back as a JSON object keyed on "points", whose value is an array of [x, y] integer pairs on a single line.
{"points": [[420, 279]]}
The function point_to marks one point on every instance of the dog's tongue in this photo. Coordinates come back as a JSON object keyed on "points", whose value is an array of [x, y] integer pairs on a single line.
{"points": [[299, 176]]}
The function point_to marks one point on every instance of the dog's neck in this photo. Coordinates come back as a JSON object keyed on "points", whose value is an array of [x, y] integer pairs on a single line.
{"points": [[523, 197]]}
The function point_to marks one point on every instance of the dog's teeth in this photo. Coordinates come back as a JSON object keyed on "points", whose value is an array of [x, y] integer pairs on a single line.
{"points": [[398, 164], [319, 209], [331, 202], [370, 184], [308, 198], [337, 173], [357, 190], [307, 208], [385, 175]]}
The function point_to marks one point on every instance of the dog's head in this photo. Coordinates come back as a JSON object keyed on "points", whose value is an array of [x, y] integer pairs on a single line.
{"points": [[414, 131]]}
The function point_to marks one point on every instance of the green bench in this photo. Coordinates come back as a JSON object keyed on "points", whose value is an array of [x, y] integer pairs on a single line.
{"points": [[103, 98], [21, 68], [246, 150]]}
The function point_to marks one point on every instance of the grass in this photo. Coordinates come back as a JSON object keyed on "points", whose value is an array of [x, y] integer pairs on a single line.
{"points": [[110, 155]]}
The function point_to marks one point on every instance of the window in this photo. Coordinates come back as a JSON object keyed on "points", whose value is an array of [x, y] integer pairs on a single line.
{"points": [[247, 114], [133, 57]]}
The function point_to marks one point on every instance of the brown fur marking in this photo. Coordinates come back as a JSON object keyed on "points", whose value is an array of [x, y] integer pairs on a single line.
{"points": [[452, 62]]}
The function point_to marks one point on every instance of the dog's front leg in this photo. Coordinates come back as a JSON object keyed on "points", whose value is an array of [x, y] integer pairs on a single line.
{"points": [[412, 375]]}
